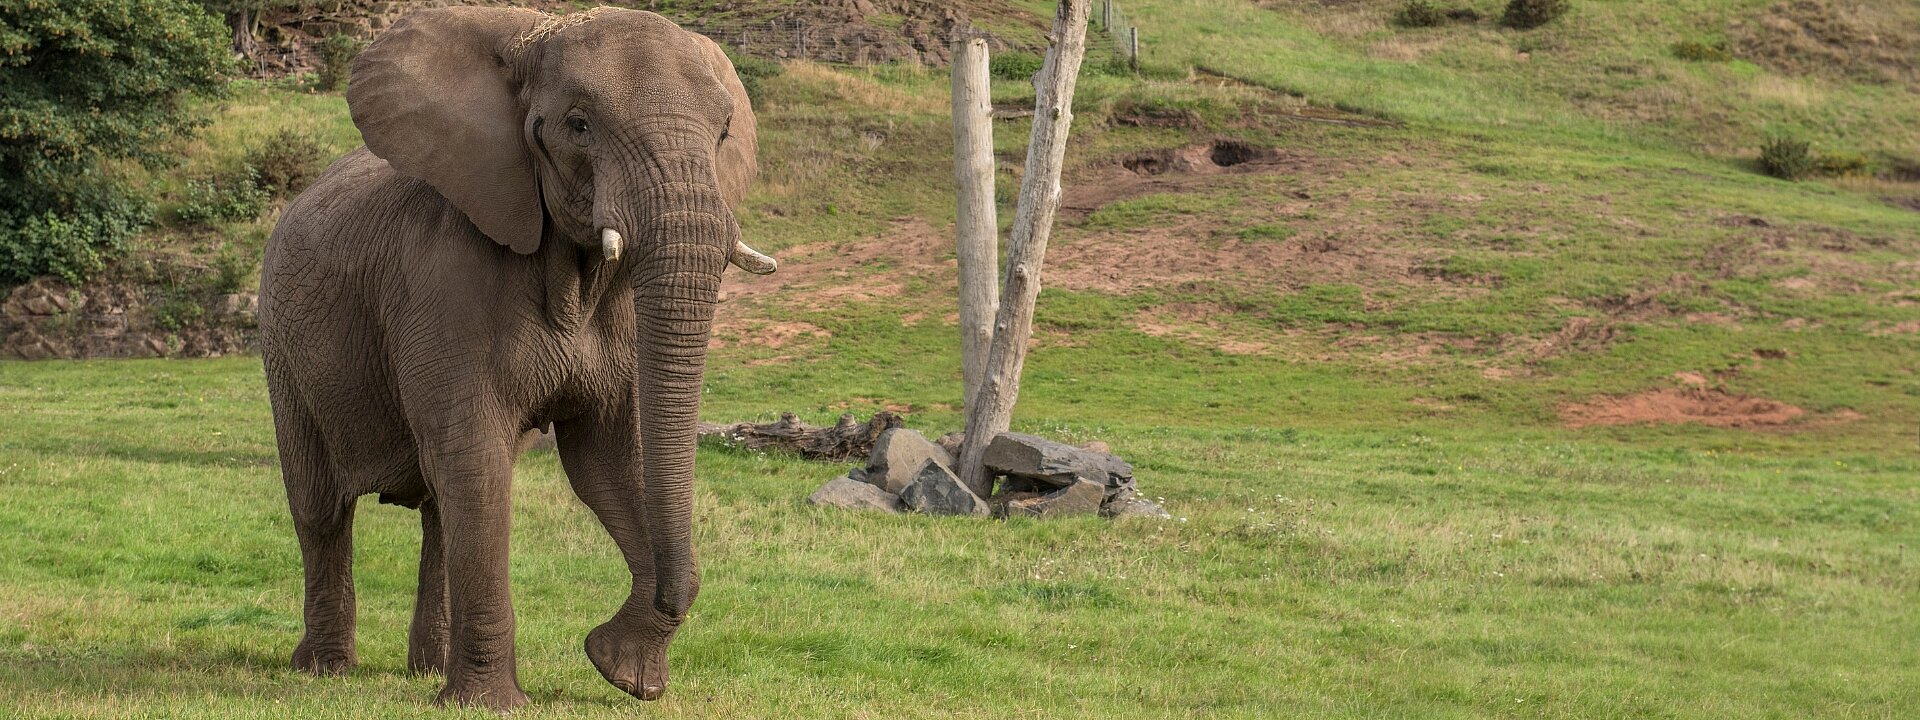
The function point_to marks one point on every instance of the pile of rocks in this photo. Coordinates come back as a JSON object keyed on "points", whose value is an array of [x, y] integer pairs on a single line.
{"points": [[1033, 477]]}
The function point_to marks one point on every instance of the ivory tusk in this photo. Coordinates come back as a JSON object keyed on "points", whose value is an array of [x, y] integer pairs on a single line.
{"points": [[751, 260], [610, 244]]}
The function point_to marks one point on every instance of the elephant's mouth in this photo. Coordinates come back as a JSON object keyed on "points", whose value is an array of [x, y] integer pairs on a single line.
{"points": [[743, 256]]}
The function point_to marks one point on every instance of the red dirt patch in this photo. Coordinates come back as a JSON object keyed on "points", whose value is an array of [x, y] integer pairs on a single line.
{"points": [[1171, 170], [1675, 406]]}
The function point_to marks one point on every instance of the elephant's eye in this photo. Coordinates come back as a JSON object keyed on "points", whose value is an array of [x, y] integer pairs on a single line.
{"points": [[577, 124]]}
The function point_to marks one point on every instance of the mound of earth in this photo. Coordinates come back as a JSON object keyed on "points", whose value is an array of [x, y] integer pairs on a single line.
{"points": [[1874, 42], [1685, 405]]}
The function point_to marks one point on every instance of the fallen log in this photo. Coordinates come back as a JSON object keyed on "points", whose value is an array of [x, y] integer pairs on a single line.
{"points": [[847, 439]]}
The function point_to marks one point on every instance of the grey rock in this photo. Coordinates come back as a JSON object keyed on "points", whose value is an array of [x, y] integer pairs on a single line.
{"points": [[935, 491], [1057, 464], [1081, 498], [846, 492], [951, 442], [897, 457], [1127, 504]]}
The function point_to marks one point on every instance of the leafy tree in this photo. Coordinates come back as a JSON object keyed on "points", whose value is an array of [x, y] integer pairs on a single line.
{"points": [[82, 83], [243, 18]]}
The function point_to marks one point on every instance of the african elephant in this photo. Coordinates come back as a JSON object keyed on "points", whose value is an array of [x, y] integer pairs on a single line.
{"points": [[534, 232]]}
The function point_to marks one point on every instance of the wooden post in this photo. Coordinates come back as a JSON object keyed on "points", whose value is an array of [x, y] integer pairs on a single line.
{"points": [[1106, 15], [1133, 48], [991, 413], [976, 223]]}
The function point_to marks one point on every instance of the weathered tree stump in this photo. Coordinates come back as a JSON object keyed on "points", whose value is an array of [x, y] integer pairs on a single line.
{"points": [[847, 439]]}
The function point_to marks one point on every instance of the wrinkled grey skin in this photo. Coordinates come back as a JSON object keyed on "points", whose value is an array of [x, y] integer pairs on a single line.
{"points": [[445, 288]]}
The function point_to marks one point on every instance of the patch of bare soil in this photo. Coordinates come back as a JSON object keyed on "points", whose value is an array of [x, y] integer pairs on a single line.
{"points": [[1203, 325], [818, 277], [1189, 252], [1680, 405], [1173, 170], [1853, 39]]}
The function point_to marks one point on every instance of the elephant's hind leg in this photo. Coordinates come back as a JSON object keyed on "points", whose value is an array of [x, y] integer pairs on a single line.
{"points": [[427, 640], [323, 520]]}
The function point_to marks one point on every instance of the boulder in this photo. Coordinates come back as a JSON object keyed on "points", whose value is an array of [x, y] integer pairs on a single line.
{"points": [[935, 491], [1057, 464], [1081, 498], [897, 457], [1128, 505], [846, 492]]}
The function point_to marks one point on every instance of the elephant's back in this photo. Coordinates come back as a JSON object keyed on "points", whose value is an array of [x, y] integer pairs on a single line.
{"points": [[338, 241]]}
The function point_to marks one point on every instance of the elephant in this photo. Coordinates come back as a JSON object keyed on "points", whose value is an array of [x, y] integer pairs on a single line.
{"points": [[534, 232]]}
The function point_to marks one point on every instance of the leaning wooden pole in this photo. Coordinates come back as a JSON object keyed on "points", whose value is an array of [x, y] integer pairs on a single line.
{"points": [[976, 224], [992, 412]]}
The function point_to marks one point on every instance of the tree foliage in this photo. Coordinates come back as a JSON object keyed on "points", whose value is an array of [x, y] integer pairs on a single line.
{"points": [[82, 83]]}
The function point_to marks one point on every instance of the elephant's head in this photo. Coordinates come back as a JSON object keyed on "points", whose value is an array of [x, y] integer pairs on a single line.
{"points": [[614, 130]]}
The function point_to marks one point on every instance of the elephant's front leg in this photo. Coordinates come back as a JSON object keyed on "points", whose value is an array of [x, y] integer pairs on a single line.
{"points": [[602, 459], [471, 471]]}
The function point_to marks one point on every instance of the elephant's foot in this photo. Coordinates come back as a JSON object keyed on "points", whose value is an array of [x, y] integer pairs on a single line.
{"points": [[324, 657], [633, 655], [501, 695], [427, 656]]}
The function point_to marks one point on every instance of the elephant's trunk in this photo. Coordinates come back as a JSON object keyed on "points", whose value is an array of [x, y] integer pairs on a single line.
{"points": [[676, 283]]}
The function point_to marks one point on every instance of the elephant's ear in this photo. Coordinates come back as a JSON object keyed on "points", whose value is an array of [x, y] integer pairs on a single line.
{"points": [[435, 97], [737, 165]]}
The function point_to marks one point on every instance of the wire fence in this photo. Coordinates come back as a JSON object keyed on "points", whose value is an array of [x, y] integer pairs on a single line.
{"points": [[1121, 32]]}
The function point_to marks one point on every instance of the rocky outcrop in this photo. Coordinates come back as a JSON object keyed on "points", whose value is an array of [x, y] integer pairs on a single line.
{"points": [[48, 320]]}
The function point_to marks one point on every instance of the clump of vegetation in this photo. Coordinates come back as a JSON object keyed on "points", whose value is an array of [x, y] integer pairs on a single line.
{"points": [[1698, 51], [1529, 14], [83, 84], [752, 70], [1787, 158], [1014, 65], [231, 196], [1840, 164], [286, 162], [336, 61], [1419, 14]]}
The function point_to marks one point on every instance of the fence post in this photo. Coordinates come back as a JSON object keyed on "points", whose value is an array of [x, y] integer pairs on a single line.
{"points": [[976, 223], [991, 413], [1133, 48], [1106, 15]]}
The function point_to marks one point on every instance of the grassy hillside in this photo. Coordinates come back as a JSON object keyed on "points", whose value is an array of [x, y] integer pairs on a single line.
{"points": [[1370, 362]]}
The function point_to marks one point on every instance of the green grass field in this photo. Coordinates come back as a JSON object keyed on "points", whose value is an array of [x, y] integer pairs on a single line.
{"points": [[1349, 373]]}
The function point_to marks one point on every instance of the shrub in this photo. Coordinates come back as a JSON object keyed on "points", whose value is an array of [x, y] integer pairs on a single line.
{"points": [[80, 84], [286, 162], [1697, 51], [1786, 158], [224, 197], [72, 245], [336, 61], [1419, 14], [752, 70], [1837, 164], [1529, 14], [1014, 66]]}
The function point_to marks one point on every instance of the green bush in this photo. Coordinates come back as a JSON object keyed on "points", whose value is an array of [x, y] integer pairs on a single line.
{"points": [[752, 71], [336, 61], [72, 245], [1787, 158], [1014, 65], [1838, 164], [233, 196], [286, 162], [1420, 14], [1529, 14], [80, 84], [1697, 51]]}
